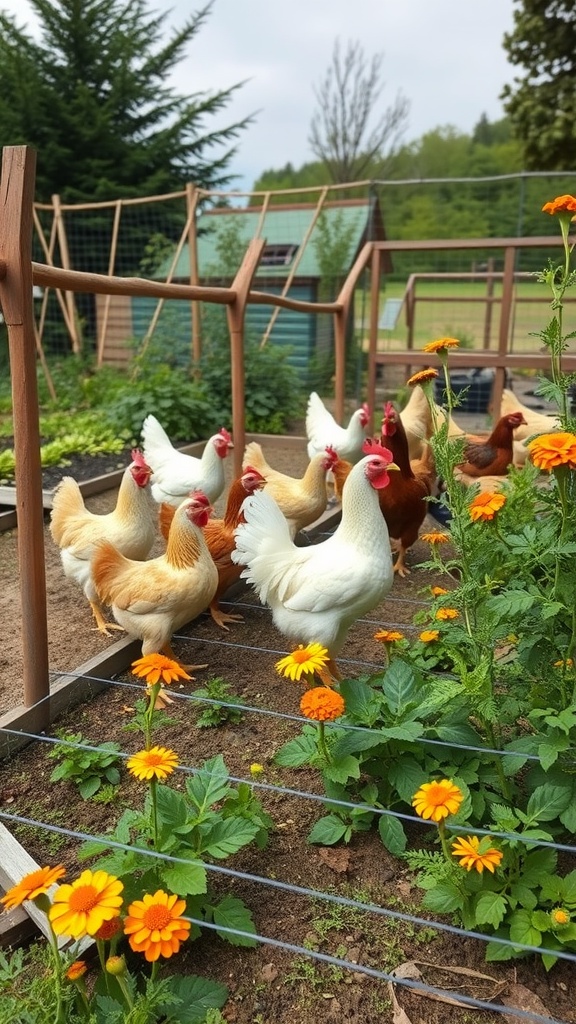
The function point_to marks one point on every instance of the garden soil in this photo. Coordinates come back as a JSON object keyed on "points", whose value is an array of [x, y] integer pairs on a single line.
{"points": [[268, 984]]}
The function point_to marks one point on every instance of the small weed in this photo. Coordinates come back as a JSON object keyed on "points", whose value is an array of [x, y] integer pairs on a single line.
{"points": [[217, 713], [87, 769]]}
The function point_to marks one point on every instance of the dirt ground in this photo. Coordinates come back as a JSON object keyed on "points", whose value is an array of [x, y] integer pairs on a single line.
{"points": [[268, 985]]}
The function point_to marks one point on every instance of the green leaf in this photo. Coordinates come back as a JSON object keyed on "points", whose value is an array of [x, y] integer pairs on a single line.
{"points": [[327, 830], [228, 836], [548, 750], [509, 604], [172, 810], [342, 769], [408, 731], [233, 913], [547, 802], [522, 930], [88, 787], [443, 898], [524, 895], [497, 951], [353, 742], [392, 834], [399, 686], [210, 784], [363, 702], [490, 908], [406, 775], [296, 752], [184, 879], [537, 865], [196, 996]]}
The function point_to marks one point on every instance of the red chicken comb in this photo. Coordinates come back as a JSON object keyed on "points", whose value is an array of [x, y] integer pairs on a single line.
{"points": [[255, 472], [331, 453], [389, 410], [199, 497], [138, 458], [227, 437], [372, 446], [366, 408]]}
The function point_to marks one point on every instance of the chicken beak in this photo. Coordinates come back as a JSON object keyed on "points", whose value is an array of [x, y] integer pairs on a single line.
{"points": [[392, 465]]}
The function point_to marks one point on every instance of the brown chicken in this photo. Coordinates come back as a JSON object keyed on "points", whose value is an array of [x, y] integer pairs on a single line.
{"points": [[219, 537], [491, 456], [301, 500], [403, 503], [130, 527], [152, 599]]}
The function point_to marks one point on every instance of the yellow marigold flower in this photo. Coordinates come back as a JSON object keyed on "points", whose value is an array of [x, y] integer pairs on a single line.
{"points": [[155, 926], [322, 704], [441, 345], [388, 636], [473, 853], [155, 668], [435, 537], [109, 929], [422, 377], [562, 204], [485, 506], [81, 908], [443, 614], [304, 661], [256, 770], [156, 763], [564, 664], [560, 917], [439, 591], [32, 885], [76, 970], [551, 450], [427, 636], [436, 800]]}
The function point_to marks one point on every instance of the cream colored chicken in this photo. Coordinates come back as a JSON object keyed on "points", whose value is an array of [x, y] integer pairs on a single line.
{"points": [[152, 599], [302, 500], [130, 527], [418, 422]]}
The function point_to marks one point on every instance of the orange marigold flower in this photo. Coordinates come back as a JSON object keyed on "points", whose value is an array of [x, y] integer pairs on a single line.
{"points": [[569, 663], [422, 377], [439, 591], [155, 926], [156, 667], [109, 929], [435, 537], [485, 506], [562, 204], [322, 704], [32, 885], [436, 800], [473, 853], [441, 345], [551, 450], [427, 636], [76, 970], [388, 636], [156, 763], [81, 908], [443, 614]]}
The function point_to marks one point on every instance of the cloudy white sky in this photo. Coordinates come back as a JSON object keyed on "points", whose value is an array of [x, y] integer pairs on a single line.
{"points": [[444, 56]]}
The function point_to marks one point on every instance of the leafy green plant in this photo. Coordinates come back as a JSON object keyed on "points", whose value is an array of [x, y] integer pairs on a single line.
{"points": [[87, 769], [216, 713]]}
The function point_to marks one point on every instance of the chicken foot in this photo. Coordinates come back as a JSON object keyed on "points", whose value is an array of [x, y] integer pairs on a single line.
{"points": [[220, 617], [400, 565], [167, 650], [101, 625]]}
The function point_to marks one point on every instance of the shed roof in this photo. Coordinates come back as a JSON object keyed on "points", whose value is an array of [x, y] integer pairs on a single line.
{"points": [[283, 226]]}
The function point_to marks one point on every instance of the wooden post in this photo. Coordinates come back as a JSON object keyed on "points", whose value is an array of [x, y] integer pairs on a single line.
{"points": [[489, 303], [504, 331], [236, 311], [373, 341], [192, 196], [65, 257], [16, 202]]}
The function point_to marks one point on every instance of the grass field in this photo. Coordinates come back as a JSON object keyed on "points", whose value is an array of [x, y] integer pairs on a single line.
{"points": [[461, 309]]}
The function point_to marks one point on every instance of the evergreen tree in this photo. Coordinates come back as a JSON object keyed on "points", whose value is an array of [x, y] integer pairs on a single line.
{"points": [[541, 104], [91, 97]]}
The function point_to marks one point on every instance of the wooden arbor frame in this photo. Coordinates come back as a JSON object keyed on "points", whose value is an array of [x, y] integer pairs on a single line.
{"points": [[18, 274]]}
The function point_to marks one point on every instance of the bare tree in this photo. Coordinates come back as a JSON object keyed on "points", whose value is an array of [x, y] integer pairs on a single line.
{"points": [[340, 134]]}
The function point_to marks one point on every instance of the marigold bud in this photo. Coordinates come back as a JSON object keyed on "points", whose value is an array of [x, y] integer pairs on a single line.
{"points": [[116, 965]]}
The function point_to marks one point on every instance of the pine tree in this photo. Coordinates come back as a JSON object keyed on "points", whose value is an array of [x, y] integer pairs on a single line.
{"points": [[541, 104], [92, 98]]}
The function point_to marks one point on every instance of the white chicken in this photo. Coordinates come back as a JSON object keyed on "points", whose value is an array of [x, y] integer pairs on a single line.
{"points": [[152, 599], [323, 431], [130, 527], [175, 474], [302, 500], [317, 592]]}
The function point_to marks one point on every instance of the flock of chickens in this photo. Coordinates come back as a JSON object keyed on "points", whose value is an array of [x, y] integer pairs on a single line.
{"points": [[315, 592]]}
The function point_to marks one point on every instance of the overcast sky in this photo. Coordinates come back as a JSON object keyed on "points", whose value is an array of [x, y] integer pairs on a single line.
{"points": [[444, 56]]}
